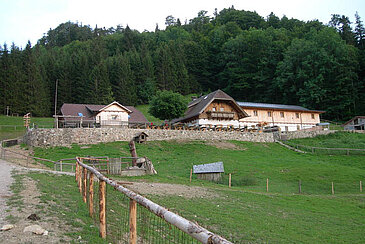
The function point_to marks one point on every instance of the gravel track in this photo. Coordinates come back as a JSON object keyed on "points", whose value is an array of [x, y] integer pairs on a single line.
{"points": [[5, 182]]}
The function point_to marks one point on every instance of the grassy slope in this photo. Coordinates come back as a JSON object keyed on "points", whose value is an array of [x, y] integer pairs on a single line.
{"points": [[247, 212], [149, 117], [335, 140], [9, 131], [250, 165]]}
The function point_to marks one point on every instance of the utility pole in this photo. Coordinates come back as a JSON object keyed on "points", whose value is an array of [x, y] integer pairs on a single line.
{"points": [[55, 99], [55, 105], [7, 110]]}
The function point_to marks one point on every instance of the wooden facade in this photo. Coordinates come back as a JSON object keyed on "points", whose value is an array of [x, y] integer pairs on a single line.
{"points": [[214, 109]]}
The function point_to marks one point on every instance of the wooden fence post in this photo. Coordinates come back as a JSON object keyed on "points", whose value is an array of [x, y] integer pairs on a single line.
{"points": [[229, 180], [84, 182], [191, 173], [300, 186], [267, 185], [132, 221], [102, 217], [79, 177], [360, 186], [91, 194], [333, 189], [76, 171], [61, 165]]}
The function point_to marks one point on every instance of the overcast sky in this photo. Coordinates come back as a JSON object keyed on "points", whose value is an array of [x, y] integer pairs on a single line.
{"points": [[23, 20]]}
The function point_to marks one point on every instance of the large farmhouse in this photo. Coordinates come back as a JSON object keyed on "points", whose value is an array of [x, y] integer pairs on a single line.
{"points": [[214, 109], [287, 117], [219, 109], [114, 114]]}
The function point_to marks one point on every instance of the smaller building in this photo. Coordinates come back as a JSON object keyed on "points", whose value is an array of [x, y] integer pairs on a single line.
{"points": [[211, 172], [356, 123], [91, 115], [140, 137]]}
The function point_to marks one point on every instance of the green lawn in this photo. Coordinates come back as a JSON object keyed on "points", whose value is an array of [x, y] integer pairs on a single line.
{"points": [[246, 212], [13, 127], [149, 117], [340, 139]]}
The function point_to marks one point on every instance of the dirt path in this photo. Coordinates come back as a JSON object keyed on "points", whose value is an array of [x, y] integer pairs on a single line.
{"points": [[164, 189], [28, 203], [5, 181]]}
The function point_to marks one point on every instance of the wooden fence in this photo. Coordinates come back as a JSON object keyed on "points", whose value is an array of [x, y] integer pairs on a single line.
{"points": [[183, 231], [325, 150]]}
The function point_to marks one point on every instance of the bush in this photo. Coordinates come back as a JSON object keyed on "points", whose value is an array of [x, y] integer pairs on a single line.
{"points": [[167, 105]]}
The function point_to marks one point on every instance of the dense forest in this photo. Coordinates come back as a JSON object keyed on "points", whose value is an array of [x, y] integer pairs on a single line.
{"points": [[252, 58]]}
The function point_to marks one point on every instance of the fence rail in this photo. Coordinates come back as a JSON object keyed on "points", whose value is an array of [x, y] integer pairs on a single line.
{"points": [[152, 223], [325, 150]]}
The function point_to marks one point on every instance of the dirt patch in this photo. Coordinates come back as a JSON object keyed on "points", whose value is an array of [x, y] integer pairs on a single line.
{"points": [[32, 205], [163, 189], [225, 145], [20, 156]]}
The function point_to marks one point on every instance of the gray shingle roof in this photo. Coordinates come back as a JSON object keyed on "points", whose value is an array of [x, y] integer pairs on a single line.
{"points": [[208, 168], [198, 106], [274, 106]]}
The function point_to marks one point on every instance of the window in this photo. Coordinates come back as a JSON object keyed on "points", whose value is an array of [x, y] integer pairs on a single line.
{"points": [[214, 109], [282, 114], [297, 115], [222, 109], [298, 127], [114, 117], [269, 114], [255, 113], [286, 128], [312, 115]]}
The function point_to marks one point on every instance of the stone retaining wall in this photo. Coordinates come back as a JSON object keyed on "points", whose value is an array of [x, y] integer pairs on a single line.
{"points": [[68, 136], [305, 134]]}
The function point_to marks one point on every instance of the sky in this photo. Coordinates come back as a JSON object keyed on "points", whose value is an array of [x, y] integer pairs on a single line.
{"points": [[23, 20]]}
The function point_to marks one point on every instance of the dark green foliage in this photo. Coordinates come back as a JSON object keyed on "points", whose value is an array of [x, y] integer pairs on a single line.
{"points": [[167, 105], [252, 58]]}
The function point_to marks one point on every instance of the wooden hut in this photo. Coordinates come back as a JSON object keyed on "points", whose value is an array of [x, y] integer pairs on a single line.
{"points": [[140, 137], [211, 172]]}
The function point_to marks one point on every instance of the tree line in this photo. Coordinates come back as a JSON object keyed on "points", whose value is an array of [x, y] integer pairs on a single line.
{"points": [[252, 58]]}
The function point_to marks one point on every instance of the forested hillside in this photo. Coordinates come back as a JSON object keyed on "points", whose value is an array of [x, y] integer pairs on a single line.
{"points": [[252, 58]]}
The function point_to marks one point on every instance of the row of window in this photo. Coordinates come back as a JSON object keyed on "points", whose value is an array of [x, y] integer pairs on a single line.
{"points": [[215, 109], [282, 114]]}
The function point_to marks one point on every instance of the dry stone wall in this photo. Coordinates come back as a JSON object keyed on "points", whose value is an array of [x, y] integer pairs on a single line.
{"points": [[68, 136]]}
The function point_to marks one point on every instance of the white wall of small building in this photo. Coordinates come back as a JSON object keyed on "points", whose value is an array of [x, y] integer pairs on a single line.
{"points": [[112, 115]]}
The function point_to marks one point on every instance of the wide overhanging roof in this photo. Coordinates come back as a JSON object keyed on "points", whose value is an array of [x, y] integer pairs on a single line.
{"points": [[276, 106]]}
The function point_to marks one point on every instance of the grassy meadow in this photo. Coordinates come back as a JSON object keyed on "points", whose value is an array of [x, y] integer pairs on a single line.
{"points": [[246, 212], [13, 127]]}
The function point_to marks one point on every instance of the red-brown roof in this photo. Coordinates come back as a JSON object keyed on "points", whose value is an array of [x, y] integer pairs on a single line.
{"points": [[89, 111]]}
